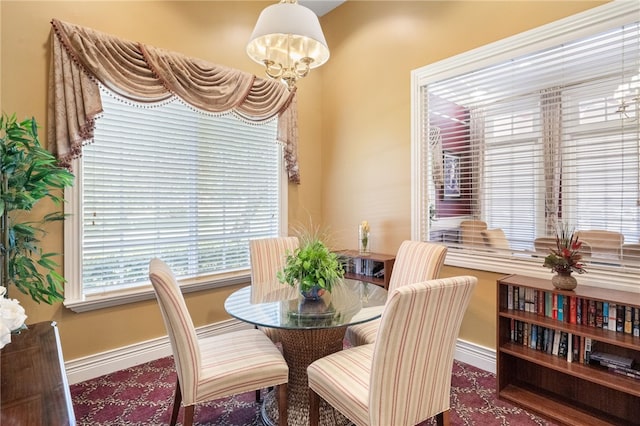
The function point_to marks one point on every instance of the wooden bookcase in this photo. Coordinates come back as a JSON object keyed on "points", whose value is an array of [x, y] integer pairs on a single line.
{"points": [[365, 267], [569, 391]]}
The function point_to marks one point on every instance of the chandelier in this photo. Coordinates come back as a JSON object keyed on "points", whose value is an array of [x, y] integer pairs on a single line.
{"points": [[288, 41]]}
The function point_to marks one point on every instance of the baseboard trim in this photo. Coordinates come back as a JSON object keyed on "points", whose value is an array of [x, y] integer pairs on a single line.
{"points": [[478, 356], [92, 366]]}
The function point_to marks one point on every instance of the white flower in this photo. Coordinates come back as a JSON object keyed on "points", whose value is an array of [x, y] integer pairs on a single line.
{"points": [[12, 317], [365, 226]]}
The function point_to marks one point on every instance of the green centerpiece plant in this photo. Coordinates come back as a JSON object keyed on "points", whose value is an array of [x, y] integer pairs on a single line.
{"points": [[28, 174], [312, 267]]}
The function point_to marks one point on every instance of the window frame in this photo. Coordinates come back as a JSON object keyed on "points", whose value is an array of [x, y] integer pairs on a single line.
{"points": [[77, 301], [593, 21]]}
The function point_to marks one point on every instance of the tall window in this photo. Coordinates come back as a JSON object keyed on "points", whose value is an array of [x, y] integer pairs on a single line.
{"points": [[543, 134], [171, 182]]}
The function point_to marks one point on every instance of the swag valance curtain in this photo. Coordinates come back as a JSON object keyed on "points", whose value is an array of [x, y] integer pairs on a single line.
{"points": [[82, 58]]}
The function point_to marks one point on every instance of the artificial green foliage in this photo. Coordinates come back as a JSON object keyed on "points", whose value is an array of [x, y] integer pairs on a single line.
{"points": [[28, 174], [312, 265]]}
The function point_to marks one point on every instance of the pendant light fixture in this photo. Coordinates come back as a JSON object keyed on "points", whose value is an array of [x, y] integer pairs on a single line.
{"points": [[288, 41]]}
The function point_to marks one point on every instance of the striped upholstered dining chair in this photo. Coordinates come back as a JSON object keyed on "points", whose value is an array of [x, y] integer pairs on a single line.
{"points": [[218, 366], [404, 377], [268, 256], [416, 261]]}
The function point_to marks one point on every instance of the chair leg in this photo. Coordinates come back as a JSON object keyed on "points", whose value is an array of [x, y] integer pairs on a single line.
{"points": [[188, 415], [176, 404], [442, 419], [314, 408], [283, 406], [258, 399]]}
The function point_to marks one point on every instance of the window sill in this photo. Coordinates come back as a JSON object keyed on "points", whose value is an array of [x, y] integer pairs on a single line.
{"points": [[101, 301], [622, 279]]}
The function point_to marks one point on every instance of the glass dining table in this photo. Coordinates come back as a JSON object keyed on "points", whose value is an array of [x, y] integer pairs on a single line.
{"points": [[308, 330]]}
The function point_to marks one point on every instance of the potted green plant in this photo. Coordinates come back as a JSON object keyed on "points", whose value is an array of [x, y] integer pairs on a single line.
{"points": [[28, 174], [312, 267]]}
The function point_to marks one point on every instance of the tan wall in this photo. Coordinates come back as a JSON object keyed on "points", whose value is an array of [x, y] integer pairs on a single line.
{"points": [[354, 118], [214, 31], [367, 112]]}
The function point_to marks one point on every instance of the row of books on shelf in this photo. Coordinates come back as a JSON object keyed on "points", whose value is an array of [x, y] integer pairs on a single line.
{"points": [[572, 347], [575, 310], [368, 267]]}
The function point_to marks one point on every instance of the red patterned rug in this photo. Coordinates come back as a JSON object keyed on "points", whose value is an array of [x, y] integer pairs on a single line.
{"points": [[142, 395]]}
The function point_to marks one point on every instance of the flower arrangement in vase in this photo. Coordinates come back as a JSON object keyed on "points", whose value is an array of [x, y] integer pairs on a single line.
{"points": [[363, 237], [565, 259], [312, 267]]}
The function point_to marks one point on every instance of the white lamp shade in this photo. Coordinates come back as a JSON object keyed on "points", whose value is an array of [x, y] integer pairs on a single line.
{"points": [[287, 32]]}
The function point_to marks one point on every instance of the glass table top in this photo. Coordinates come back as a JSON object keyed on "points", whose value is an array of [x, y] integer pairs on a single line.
{"points": [[350, 302]]}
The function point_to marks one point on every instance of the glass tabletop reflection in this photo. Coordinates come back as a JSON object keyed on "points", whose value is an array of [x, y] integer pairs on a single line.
{"points": [[349, 302]]}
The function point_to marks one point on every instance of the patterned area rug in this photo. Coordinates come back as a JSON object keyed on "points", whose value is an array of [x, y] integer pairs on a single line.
{"points": [[142, 395]]}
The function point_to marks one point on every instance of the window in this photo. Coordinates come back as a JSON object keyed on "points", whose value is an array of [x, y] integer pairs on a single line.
{"points": [[168, 181], [545, 126]]}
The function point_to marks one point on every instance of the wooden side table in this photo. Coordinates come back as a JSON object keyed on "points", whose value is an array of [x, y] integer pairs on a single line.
{"points": [[33, 383], [370, 266]]}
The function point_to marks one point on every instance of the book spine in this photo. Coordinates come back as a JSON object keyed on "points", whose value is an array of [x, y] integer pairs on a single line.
{"points": [[540, 302], [636, 322], [560, 307], [556, 342], [627, 319], [613, 309], [591, 314], [521, 299], [533, 339], [605, 315], [573, 314], [620, 318], [510, 297], [587, 349], [564, 340], [520, 338]]}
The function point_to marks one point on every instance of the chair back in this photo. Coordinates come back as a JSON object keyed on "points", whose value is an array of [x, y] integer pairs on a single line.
{"points": [[417, 261], [544, 245], [605, 245], [495, 239], [471, 232], [182, 334], [413, 353], [268, 256], [631, 254]]}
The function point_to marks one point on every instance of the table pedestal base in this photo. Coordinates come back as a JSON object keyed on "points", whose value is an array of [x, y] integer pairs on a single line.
{"points": [[300, 348]]}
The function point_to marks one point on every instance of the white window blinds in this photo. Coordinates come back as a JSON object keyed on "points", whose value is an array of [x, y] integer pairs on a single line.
{"points": [[523, 145], [175, 183]]}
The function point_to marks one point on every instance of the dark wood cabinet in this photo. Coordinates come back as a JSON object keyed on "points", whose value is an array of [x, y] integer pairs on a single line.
{"points": [[373, 268], [33, 384], [572, 388]]}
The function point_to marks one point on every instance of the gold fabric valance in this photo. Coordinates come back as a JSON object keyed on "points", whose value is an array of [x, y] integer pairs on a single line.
{"points": [[82, 57]]}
